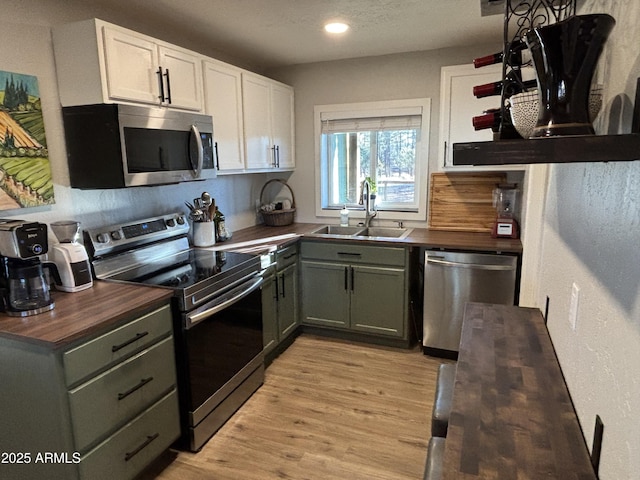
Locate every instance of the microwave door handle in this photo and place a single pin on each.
(197, 169)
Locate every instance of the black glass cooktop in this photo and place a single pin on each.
(186, 268)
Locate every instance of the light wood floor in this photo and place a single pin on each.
(328, 409)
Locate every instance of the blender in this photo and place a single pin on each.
(70, 257)
(504, 201)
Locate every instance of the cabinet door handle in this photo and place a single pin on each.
(278, 156)
(352, 279)
(273, 156)
(282, 279)
(168, 97)
(160, 84)
(142, 383)
(346, 278)
(275, 280)
(150, 438)
(138, 336)
(215, 148)
(444, 160)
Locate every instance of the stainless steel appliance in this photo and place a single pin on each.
(70, 258)
(115, 146)
(217, 307)
(451, 279)
(24, 287)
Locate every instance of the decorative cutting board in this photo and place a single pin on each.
(463, 201)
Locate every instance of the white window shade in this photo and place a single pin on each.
(370, 124)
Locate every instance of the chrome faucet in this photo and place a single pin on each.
(364, 200)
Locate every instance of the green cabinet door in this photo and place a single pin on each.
(378, 300)
(325, 294)
(269, 313)
(287, 300)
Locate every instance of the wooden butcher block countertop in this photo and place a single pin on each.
(511, 415)
(80, 314)
(419, 237)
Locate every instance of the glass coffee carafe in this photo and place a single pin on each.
(28, 288)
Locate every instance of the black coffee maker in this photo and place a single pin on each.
(23, 286)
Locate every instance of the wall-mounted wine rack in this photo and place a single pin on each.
(519, 17)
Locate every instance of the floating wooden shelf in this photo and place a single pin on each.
(596, 148)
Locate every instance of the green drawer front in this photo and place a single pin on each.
(287, 256)
(353, 253)
(115, 345)
(126, 453)
(114, 397)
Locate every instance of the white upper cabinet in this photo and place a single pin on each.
(98, 62)
(458, 106)
(223, 101)
(268, 123)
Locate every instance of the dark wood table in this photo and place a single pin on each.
(512, 416)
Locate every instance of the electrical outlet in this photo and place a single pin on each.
(573, 307)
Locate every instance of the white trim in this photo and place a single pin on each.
(415, 106)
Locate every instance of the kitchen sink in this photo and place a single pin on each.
(386, 232)
(359, 231)
(338, 230)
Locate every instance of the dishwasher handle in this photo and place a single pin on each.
(474, 266)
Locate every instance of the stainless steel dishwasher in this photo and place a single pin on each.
(451, 279)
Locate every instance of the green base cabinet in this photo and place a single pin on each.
(103, 408)
(280, 299)
(355, 287)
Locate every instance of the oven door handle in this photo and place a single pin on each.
(232, 297)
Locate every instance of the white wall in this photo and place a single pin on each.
(591, 237)
(26, 47)
(389, 77)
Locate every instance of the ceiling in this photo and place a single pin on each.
(273, 33)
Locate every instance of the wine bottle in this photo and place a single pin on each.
(502, 128)
(514, 58)
(509, 85)
(489, 119)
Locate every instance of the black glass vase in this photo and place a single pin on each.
(565, 55)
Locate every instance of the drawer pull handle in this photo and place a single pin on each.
(150, 438)
(350, 254)
(142, 383)
(138, 336)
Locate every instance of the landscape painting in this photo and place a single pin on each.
(25, 172)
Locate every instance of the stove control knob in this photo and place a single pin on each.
(180, 220)
(171, 222)
(116, 235)
(102, 237)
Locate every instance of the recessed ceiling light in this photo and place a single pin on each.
(336, 27)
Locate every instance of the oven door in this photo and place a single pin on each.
(223, 347)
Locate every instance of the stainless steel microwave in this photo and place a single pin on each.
(115, 146)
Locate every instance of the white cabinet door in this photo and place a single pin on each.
(282, 126)
(223, 101)
(458, 106)
(268, 123)
(131, 67)
(257, 121)
(182, 72)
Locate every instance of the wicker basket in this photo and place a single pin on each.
(278, 218)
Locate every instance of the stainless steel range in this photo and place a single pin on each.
(217, 309)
